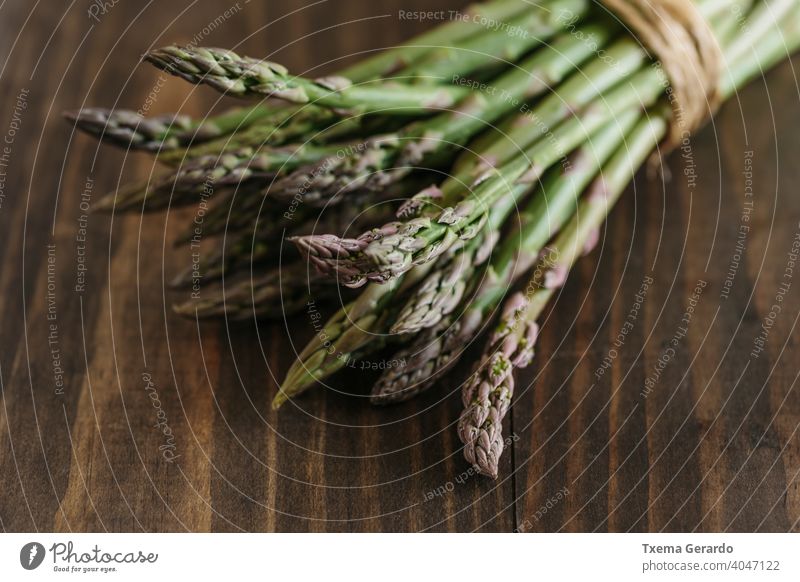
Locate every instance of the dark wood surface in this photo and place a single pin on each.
(712, 447)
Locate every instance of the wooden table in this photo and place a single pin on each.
(94, 367)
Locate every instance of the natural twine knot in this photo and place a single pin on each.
(678, 36)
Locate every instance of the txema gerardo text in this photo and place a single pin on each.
(687, 549)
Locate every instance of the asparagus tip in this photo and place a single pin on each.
(105, 203)
(185, 309)
(279, 399)
(330, 253)
(71, 116)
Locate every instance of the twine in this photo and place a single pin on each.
(679, 38)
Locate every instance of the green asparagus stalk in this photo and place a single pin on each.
(254, 232)
(290, 287)
(443, 290)
(478, 153)
(726, 28)
(129, 129)
(771, 32)
(224, 216)
(487, 394)
(294, 124)
(759, 26)
(239, 76)
(199, 176)
(309, 124)
(228, 257)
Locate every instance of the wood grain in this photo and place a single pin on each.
(714, 446)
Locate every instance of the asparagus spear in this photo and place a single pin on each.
(256, 297)
(759, 26)
(227, 257)
(250, 209)
(433, 352)
(478, 153)
(487, 394)
(129, 129)
(244, 76)
(239, 76)
(443, 290)
(309, 124)
(224, 215)
(293, 124)
(290, 287)
(185, 184)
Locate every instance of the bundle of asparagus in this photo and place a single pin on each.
(539, 115)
